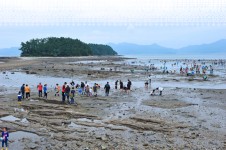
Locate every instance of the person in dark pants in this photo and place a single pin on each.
(63, 92)
(82, 87)
(67, 92)
(22, 90)
(107, 89)
(5, 136)
(160, 89)
(19, 98)
(27, 91)
(146, 84)
(45, 91)
(95, 90)
(129, 86)
(121, 85)
(116, 84)
(39, 87)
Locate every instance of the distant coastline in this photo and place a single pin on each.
(216, 50)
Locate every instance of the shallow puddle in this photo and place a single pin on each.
(10, 118)
(17, 137)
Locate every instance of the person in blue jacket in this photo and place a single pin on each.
(5, 136)
(45, 91)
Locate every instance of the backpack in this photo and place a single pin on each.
(107, 86)
(82, 84)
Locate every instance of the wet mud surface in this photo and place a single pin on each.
(190, 116)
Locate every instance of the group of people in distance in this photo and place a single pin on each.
(25, 92)
(126, 88)
(42, 88)
(67, 91)
(153, 92)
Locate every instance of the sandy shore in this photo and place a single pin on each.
(189, 115)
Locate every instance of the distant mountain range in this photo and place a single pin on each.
(218, 47)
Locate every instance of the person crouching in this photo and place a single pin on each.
(160, 89)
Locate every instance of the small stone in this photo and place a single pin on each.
(103, 147)
(32, 145)
(103, 138)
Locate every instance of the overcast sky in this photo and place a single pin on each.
(171, 23)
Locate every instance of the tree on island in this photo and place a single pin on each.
(99, 49)
(62, 47)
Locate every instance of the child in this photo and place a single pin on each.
(57, 89)
(19, 97)
(5, 136)
(72, 101)
(80, 91)
(73, 91)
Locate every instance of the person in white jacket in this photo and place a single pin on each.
(149, 79)
(160, 89)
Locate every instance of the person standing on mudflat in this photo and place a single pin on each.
(67, 92)
(39, 90)
(19, 97)
(82, 87)
(5, 135)
(116, 84)
(22, 90)
(63, 92)
(129, 86)
(27, 91)
(95, 90)
(121, 85)
(107, 89)
(45, 91)
(57, 90)
(149, 79)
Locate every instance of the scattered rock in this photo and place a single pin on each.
(103, 147)
(32, 146)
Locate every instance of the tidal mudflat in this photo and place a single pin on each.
(189, 115)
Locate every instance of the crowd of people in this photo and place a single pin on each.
(68, 91)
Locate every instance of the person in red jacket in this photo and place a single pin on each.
(39, 87)
(63, 92)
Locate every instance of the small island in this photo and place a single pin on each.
(63, 47)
